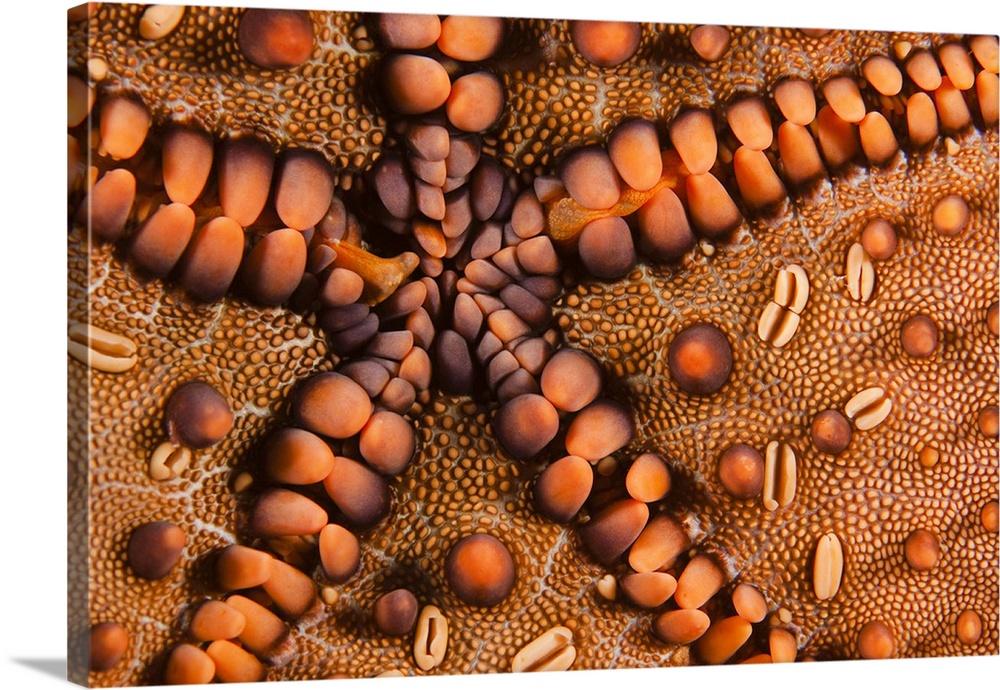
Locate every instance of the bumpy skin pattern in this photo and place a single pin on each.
(871, 496)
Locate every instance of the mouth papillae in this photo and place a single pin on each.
(465, 344)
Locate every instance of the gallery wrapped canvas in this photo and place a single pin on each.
(426, 344)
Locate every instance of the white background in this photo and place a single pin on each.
(32, 386)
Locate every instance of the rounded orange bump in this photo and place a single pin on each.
(79, 100)
(921, 119)
(877, 138)
(571, 380)
(969, 627)
(471, 39)
(648, 478)
(699, 582)
(749, 603)
(160, 242)
(830, 432)
(988, 97)
(665, 233)
(957, 65)
(291, 590)
(609, 533)
(606, 248)
(212, 258)
(339, 552)
(188, 665)
(950, 215)
(986, 52)
(107, 645)
(155, 548)
(409, 31)
(783, 646)
(388, 442)
(333, 405)
(415, 84)
(600, 429)
(296, 456)
(876, 641)
(693, 135)
(953, 112)
(635, 151)
(108, 205)
(563, 487)
(799, 155)
(480, 570)
(124, 125)
(750, 122)
(922, 68)
(361, 494)
(537, 256)
(758, 182)
(605, 43)
(275, 266)
(710, 42)
(648, 590)
(990, 516)
(216, 620)
(659, 543)
(989, 421)
(304, 189)
(241, 567)
(475, 102)
(275, 39)
(838, 138)
(525, 425)
(700, 359)
(713, 212)
(919, 336)
(844, 97)
(796, 101)
(741, 471)
(879, 239)
(284, 513)
(681, 627)
(395, 612)
(723, 639)
(922, 550)
(187, 161)
(883, 74)
(245, 168)
(590, 177)
(527, 218)
(198, 415)
(233, 664)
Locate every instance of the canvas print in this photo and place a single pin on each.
(414, 344)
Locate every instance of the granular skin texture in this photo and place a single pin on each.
(461, 482)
